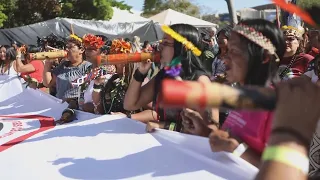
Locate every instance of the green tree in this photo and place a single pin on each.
(32, 11)
(9, 7)
(3, 16)
(15, 13)
(308, 3)
(121, 5)
(91, 9)
(150, 5)
(153, 7)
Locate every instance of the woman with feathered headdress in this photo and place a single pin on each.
(93, 49)
(108, 95)
(295, 62)
(64, 75)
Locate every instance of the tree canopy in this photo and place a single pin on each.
(15, 13)
(308, 3)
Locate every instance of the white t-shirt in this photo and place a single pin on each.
(88, 93)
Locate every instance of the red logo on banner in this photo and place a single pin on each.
(17, 125)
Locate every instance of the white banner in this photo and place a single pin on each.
(101, 147)
(9, 86)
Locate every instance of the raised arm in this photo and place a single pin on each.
(49, 79)
(137, 96)
(27, 68)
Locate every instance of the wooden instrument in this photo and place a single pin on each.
(48, 55)
(113, 59)
(191, 94)
(110, 59)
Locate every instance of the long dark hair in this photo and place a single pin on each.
(259, 72)
(191, 65)
(2, 62)
(224, 31)
(11, 55)
(190, 62)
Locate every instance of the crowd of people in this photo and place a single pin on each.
(252, 53)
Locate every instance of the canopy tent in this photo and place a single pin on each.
(146, 30)
(126, 16)
(170, 16)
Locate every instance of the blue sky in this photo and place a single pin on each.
(208, 5)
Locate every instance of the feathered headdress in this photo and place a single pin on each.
(188, 45)
(92, 41)
(256, 37)
(120, 47)
(75, 37)
(292, 31)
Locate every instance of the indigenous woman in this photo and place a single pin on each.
(108, 94)
(66, 73)
(253, 50)
(92, 45)
(294, 62)
(8, 63)
(8, 73)
(218, 67)
(173, 52)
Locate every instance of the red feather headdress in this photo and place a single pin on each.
(92, 41)
(120, 46)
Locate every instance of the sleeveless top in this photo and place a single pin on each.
(37, 74)
(10, 72)
(171, 115)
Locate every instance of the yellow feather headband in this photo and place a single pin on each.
(181, 39)
(73, 36)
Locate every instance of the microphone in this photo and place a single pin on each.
(190, 94)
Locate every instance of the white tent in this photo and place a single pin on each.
(121, 16)
(170, 16)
